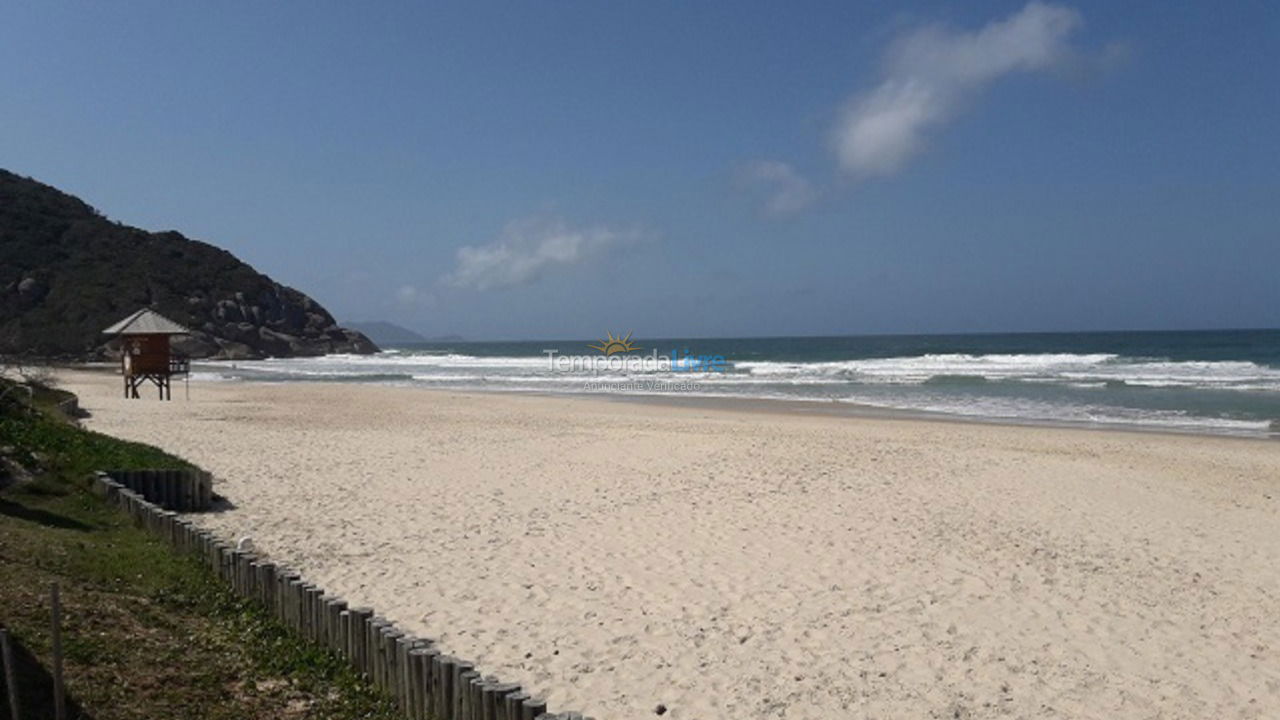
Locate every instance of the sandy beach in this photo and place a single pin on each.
(615, 557)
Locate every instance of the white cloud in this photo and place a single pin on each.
(789, 191)
(414, 297)
(932, 72)
(406, 294)
(527, 249)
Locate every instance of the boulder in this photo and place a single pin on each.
(231, 350)
(196, 345)
(276, 344)
(228, 311)
(32, 290)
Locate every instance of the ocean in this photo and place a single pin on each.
(1220, 382)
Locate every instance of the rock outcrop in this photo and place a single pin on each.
(66, 273)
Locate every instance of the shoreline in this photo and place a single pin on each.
(834, 408)
(819, 407)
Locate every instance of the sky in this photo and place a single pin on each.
(559, 169)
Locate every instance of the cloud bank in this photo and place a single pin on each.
(528, 249)
(931, 73)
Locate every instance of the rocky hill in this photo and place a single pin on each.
(66, 272)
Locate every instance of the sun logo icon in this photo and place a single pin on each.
(613, 345)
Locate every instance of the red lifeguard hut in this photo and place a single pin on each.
(146, 353)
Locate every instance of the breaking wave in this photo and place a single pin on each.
(1231, 396)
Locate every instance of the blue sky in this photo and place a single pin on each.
(556, 169)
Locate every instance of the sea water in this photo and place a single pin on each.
(1225, 382)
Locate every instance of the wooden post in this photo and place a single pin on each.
(213, 556)
(411, 671)
(251, 578)
(344, 636)
(372, 626)
(384, 659)
(164, 486)
(511, 705)
(373, 645)
(296, 587)
(404, 677)
(358, 621)
(533, 708)
(284, 576)
(309, 595)
(289, 606)
(59, 693)
(267, 581)
(10, 675)
(335, 609)
(157, 486)
(180, 534)
(234, 571)
(311, 603)
(442, 674)
(327, 616)
(315, 598)
(319, 617)
(426, 677)
(496, 703)
(206, 490)
(391, 661)
(469, 693)
(489, 700)
(194, 480)
(478, 685)
(420, 682)
(304, 624)
(463, 671)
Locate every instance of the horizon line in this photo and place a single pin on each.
(820, 336)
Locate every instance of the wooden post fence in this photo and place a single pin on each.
(178, 490)
(425, 683)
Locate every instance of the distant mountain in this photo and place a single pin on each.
(66, 272)
(385, 333)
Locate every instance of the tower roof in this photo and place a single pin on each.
(146, 322)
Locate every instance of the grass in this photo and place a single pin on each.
(147, 633)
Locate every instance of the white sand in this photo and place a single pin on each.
(615, 556)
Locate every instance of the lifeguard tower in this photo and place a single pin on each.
(146, 354)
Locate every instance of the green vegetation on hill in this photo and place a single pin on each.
(66, 272)
(146, 633)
